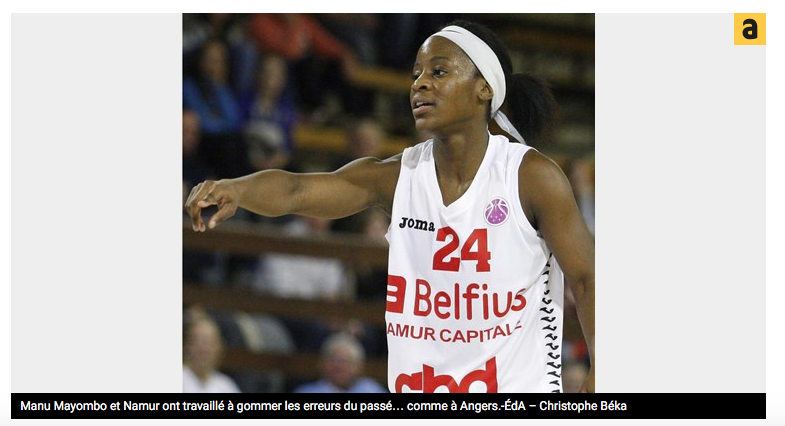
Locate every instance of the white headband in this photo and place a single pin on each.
(490, 68)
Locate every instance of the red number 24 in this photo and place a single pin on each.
(482, 256)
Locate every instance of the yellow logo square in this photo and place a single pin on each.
(749, 29)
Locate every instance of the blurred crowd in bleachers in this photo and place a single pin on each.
(249, 81)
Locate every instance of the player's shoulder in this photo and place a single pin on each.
(538, 167)
(540, 178)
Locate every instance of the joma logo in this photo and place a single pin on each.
(422, 225)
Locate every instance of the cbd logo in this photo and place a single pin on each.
(749, 28)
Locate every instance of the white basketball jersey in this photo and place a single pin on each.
(474, 297)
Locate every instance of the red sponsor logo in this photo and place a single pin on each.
(396, 292)
(427, 381)
(461, 302)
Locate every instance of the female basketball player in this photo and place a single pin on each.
(480, 226)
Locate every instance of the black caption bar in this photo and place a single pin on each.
(351, 406)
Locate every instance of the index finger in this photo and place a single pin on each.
(192, 205)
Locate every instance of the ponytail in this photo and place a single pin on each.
(529, 102)
(531, 107)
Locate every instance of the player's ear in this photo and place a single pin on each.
(485, 92)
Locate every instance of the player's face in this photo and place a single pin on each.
(445, 92)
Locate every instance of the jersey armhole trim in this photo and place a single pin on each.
(513, 173)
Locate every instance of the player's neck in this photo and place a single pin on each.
(459, 155)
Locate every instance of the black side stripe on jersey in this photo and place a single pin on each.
(547, 322)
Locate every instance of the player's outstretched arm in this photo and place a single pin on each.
(547, 199)
(346, 191)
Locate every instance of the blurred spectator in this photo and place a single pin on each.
(199, 28)
(271, 117)
(402, 34)
(195, 170)
(365, 139)
(342, 363)
(202, 351)
(358, 30)
(297, 36)
(209, 95)
(322, 65)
